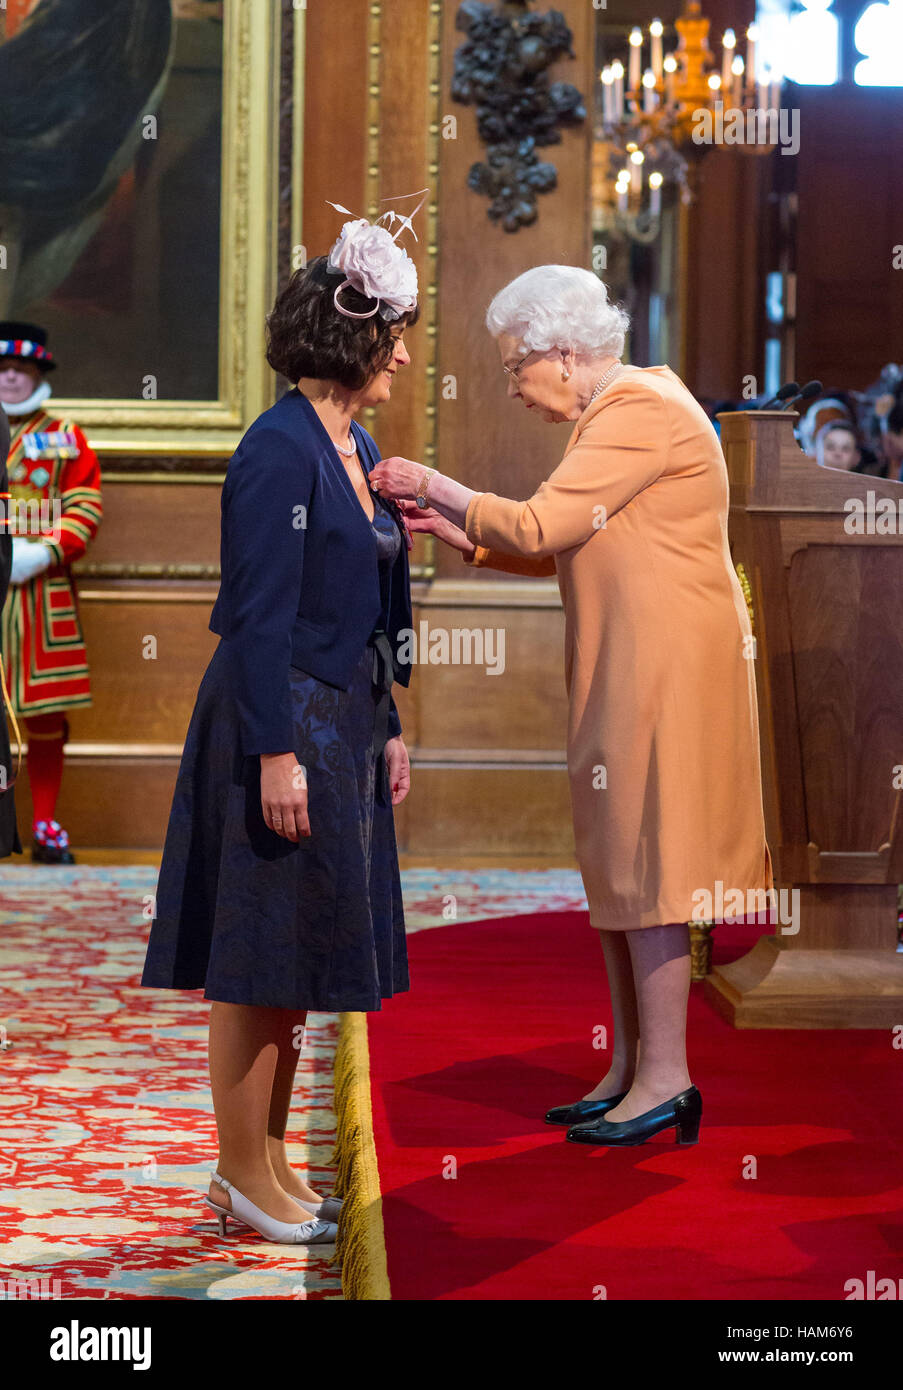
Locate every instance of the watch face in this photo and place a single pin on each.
(421, 502)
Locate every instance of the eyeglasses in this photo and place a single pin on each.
(513, 371)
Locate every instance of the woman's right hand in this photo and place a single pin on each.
(429, 520)
(283, 795)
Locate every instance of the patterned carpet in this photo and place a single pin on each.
(108, 1129)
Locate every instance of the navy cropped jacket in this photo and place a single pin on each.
(299, 573)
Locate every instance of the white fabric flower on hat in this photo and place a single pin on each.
(376, 266)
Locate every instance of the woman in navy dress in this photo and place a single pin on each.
(279, 889)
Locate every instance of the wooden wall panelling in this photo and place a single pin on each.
(487, 810)
(465, 707)
(335, 119)
(486, 440)
(109, 799)
(150, 574)
(123, 754)
(381, 148)
(155, 527)
(149, 644)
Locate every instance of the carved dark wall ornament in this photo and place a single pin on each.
(502, 70)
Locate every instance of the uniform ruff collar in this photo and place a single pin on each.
(37, 398)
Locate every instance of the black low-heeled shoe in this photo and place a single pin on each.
(683, 1112)
(582, 1111)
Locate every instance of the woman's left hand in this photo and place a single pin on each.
(399, 766)
(397, 477)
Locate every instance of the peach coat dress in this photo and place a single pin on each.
(663, 734)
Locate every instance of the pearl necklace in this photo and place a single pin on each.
(349, 453)
(603, 381)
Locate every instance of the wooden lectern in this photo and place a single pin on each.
(823, 553)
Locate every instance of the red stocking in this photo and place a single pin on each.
(46, 735)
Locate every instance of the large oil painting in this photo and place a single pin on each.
(110, 189)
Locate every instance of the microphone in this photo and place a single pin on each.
(790, 389)
(808, 393)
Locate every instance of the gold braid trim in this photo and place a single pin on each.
(361, 1242)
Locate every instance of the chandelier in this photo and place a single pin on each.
(659, 120)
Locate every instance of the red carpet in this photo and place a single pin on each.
(498, 1026)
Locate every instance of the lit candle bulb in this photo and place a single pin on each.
(621, 187)
(607, 95)
(715, 82)
(636, 170)
(636, 43)
(656, 29)
(763, 88)
(670, 67)
(617, 97)
(730, 43)
(752, 35)
(737, 67)
(649, 98)
(655, 193)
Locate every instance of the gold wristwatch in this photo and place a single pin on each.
(420, 499)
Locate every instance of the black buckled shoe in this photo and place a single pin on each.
(683, 1112)
(582, 1110)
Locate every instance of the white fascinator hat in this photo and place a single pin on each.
(374, 264)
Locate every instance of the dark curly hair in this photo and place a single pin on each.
(308, 337)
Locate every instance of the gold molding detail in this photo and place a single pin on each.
(429, 299)
(374, 87)
(110, 475)
(747, 594)
(431, 445)
(121, 753)
(371, 183)
(204, 591)
(111, 569)
(490, 759)
(490, 593)
(432, 289)
(299, 60)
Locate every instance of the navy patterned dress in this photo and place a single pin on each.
(252, 918)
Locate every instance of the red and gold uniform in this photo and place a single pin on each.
(53, 512)
(54, 499)
(43, 644)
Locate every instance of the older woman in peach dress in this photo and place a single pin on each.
(663, 740)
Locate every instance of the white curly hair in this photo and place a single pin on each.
(559, 306)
